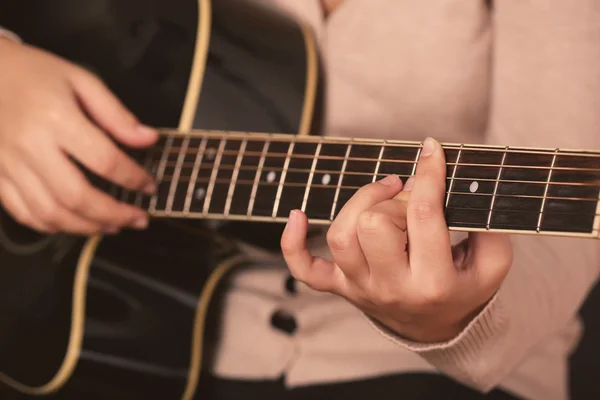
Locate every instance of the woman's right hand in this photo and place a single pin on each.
(51, 111)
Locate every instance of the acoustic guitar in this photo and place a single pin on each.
(235, 88)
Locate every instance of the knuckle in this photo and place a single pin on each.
(387, 298)
(47, 213)
(84, 75)
(74, 197)
(287, 247)
(371, 220)
(298, 274)
(423, 211)
(338, 240)
(23, 218)
(434, 293)
(107, 162)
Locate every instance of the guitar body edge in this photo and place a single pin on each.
(76, 331)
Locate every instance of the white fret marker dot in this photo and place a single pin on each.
(200, 193)
(271, 176)
(210, 153)
(326, 179)
(474, 186)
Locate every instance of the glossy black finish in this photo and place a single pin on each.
(144, 287)
(256, 79)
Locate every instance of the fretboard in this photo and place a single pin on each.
(260, 177)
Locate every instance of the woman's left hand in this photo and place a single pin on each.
(393, 259)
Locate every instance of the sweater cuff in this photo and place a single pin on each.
(464, 356)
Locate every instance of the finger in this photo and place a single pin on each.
(14, 203)
(94, 150)
(75, 193)
(342, 235)
(382, 236)
(46, 208)
(317, 273)
(491, 256)
(429, 239)
(108, 112)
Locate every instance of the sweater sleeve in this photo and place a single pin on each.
(546, 93)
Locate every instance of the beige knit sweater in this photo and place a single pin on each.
(523, 73)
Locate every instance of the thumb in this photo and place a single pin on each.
(490, 255)
(109, 113)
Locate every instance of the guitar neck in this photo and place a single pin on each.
(262, 177)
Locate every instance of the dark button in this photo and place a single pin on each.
(284, 321)
(290, 285)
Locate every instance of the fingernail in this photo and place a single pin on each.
(409, 184)
(147, 131)
(140, 223)
(150, 188)
(292, 220)
(428, 147)
(390, 180)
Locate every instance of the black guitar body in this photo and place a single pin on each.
(125, 316)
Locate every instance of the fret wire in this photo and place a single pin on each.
(489, 219)
(416, 161)
(453, 175)
(236, 171)
(176, 175)
(213, 177)
(539, 223)
(311, 175)
(161, 171)
(261, 164)
(596, 225)
(139, 197)
(194, 176)
(379, 161)
(282, 179)
(339, 184)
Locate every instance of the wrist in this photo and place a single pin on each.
(435, 331)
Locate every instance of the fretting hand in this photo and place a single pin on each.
(51, 109)
(426, 290)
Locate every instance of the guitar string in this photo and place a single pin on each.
(394, 161)
(392, 143)
(334, 187)
(521, 212)
(253, 168)
(496, 211)
(412, 163)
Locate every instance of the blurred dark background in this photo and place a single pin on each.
(585, 362)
